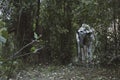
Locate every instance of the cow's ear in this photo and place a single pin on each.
(77, 32)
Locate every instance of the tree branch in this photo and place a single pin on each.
(115, 57)
(18, 52)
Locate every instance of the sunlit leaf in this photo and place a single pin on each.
(2, 39)
(35, 36)
(32, 49)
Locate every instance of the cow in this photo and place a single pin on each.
(85, 38)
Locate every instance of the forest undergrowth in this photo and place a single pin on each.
(68, 72)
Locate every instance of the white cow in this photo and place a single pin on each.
(85, 37)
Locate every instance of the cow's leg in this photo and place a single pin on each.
(78, 47)
(79, 52)
(84, 48)
(83, 54)
(90, 55)
(87, 55)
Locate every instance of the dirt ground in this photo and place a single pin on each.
(68, 72)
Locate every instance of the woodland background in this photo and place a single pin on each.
(43, 32)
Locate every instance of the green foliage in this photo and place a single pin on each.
(58, 22)
(3, 32)
(2, 39)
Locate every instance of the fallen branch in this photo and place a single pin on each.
(36, 51)
(23, 48)
(115, 57)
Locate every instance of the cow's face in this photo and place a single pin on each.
(85, 32)
(82, 31)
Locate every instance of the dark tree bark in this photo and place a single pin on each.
(24, 32)
(115, 27)
(38, 28)
(66, 38)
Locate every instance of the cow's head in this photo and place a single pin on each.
(85, 31)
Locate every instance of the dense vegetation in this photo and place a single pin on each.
(43, 31)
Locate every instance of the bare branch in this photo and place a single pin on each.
(115, 57)
(18, 52)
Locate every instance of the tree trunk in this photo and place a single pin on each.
(38, 28)
(115, 27)
(24, 32)
(66, 38)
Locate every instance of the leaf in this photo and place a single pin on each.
(4, 34)
(32, 49)
(35, 36)
(2, 39)
(2, 23)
